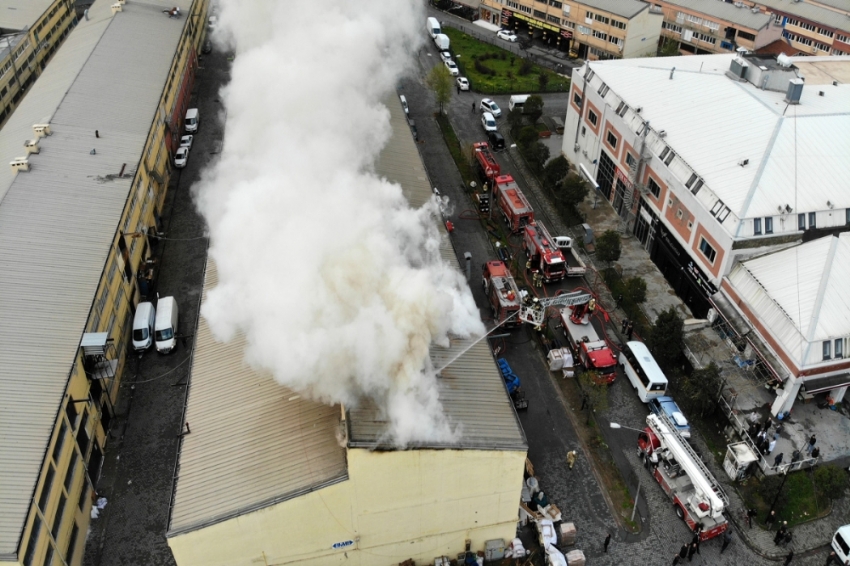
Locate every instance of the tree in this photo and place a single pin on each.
(574, 189)
(527, 137)
(665, 338)
(701, 390)
(594, 391)
(543, 80)
(440, 81)
(669, 48)
(533, 108)
(515, 119)
(634, 290)
(537, 154)
(831, 481)
(608, 247)
(555, 171)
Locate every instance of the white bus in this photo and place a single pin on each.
(841, 543)
(643, 371)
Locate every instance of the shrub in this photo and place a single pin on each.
(608, 247)
(634, 290)
(831, 481)
(525, 67)
(665, 339)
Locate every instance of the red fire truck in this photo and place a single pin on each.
(486, 162)
(589, 350)
(502, 292)
(544, 256)
(514, 206)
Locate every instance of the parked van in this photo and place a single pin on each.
(166, 325)
(643, 371)
(442, 42)
(841, 543)
(192, 120)
(403, 100)
(517, 101)
(143, 325)
(433, 27)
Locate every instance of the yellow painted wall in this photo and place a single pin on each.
(395, 505)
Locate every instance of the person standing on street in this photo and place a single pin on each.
(778, 459)
(473, 108)
(727, 538)
(607, 542)
(831, 559)
(780, 532)
(815, 452)
(789, 558)
(683, 551)
(696, 540)
(676, 560)
(458, 89)
(750, 514)
(624, 325)
(691, 551)
(629, 328)
(811, 445)
(770, 519)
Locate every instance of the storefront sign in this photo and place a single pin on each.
(697, 276)
(622, 178)
(536, 23)
(506, 17)
(566, 34)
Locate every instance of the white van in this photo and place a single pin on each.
(166, 325)
(143, 324)
(517, 101)
(403, 100)
(192, 120)
(433, 27)
(643, 371)
(841, 543)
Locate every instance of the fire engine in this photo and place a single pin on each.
(544, 257)
(697, 496)
(486, 162)
(513, 204)
(589, 350)
(502, 292)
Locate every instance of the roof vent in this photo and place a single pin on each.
(32, 146)
(20, 164)
(41, 130)
(117, 7)
(662, 134)
(737, 69)
(755, 10)
(795, 90)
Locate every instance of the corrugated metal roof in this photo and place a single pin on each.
(713, 123)
(841, 5)
(58, 221)
(728, 12)
(817, 14)
(472, 390)
(624, 8)
(20, 14)
(800, 293)
(253, 441)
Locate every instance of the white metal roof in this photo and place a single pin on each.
(809, 11)
(797, 154)
(728, 12)
(20, 14)
(58, 221)
(800, 293)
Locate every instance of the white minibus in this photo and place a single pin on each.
(643, 371)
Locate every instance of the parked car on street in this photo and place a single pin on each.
(463, 83)
(488, 105)
(488, 122)
(507, 35)
(181, 157)
(453, 70)
(186, 141)
(445, 56)
(668, 406)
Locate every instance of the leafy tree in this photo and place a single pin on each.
(543, 80)
(574, 189)
(831, 481)
(701, 389)
(515, 119)
(669, 48)
(537, 154)
(634, 290)
(555, 171)
(527, 137)
(440, 81)
(533, 108)
(608, 247)
(665, 338)
(594, 392)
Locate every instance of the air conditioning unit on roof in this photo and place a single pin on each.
(32, 146)
(41, 130)
(117, 7)
(20, 164)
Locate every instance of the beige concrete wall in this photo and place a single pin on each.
(642, 35)
(395, 505)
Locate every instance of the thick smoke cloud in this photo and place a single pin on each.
(335, 281)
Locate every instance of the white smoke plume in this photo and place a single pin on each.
(334, 279)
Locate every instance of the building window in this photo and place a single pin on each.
(584, 30)
(669, 202)
(616, 24)
(690, 225)
(566, 9)
(603, 36)
(631, 161)
(839, 348)
(707, 250)
(843, 38)
(601, 19)
(757, 226)
(768, 225)
(577, 99)
(72, 543)
(539, 14)
(826, 349)
(679, 214)
(60, 511)
(32, 545)
(747, 36)
(592, 117)
(654, 188)
(612, 139)
(603, 88)
(801, 222)
(812, 220)
(60, 441)
(621, 109)
(45, 490)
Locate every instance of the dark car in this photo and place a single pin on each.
(207, 47)
(496, 141)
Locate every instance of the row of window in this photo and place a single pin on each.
(842, 38)
(833, 349)
(806, 41)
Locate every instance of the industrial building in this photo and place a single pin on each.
(267, 476)
(816, 28)
(89, 165)
(30, 33)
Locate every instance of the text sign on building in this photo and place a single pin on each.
(506, 16)
(343, 544)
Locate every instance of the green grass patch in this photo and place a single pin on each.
(456, 150)
(493, 70)
(798, 502)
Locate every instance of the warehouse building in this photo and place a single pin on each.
(266, 476)
(90, 166)
(30, 33)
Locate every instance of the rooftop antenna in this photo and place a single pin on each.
(671, 73)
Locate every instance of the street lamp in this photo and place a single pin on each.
(617, 425)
